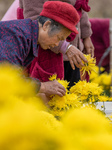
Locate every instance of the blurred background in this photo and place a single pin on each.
(4, 5)
(99, 8)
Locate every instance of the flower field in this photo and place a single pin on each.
(71, 122)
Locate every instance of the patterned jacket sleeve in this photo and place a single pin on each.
(85, 26)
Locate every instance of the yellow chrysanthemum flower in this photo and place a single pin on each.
(109, 98)
(94, 74)
(87, 124)
(106, 79)
(88, 66)
(59, 102)
(103, 79)
(25, 125)
(11, 79)
(53, 77)
(103, 98)
(22, 129)
(86, 91)
(22, 121)
(98, 141)
(63, 82)
(73, 100)
(59, 105)
(86, 119)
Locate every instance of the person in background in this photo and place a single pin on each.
(75, 44)
(19, 39)
(11, 13)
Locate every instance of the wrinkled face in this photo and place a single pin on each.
(47, 40)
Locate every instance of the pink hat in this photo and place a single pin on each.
(61, 12)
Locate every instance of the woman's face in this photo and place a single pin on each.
(46, 41)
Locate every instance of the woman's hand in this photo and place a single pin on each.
(52, 88)
(75, 57)
(88, 46)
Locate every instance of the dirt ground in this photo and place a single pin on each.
(99, 9)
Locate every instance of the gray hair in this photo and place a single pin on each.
(54, 26)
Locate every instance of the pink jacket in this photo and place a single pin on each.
(11, 13)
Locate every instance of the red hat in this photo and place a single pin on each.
(61, 12)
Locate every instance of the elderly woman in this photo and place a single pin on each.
(71, 50)
(73, 47)
(19, 39)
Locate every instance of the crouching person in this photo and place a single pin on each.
(19, 39)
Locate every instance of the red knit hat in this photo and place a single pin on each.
(61, 12)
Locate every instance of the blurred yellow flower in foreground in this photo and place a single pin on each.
(94, 74)
(88, 129)
(79, 120)
(12, 82)
(25, 123)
